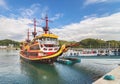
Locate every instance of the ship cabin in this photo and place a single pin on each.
(48, 42)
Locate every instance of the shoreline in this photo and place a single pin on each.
(115, 73)
(97, 68)
(9, 48)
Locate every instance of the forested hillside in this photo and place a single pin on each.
(7, 42)
(85, 43)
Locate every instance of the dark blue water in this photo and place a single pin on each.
(13, 70)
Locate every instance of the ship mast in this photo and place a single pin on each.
(46, 28)
(34, 33)
(28, 38)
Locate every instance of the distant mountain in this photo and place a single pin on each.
(7, 42)
(99, 43)
(66, 42)
(85, 43)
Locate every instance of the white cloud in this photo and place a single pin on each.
(44, 11)
(29, 12)
(88, 2)
(13, 28)
(34, 10)
(107, 28)
(3, 4)
(57, 16)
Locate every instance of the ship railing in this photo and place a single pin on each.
(50, 49)
(49, 42)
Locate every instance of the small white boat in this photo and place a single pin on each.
(80, 53)
(89, 52)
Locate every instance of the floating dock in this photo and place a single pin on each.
(114, 73)
(68, 60)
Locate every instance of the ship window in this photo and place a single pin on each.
(48, 39)
(44, 49)
(49, 45)
(41, 39)
(50, 49)
(33, 54)
(45, 39)
(55, 48)
(35, 47)
(41, 45)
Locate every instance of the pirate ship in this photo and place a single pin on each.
(44, 48)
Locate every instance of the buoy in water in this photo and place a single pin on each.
(109, 77)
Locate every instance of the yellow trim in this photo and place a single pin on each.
(27, 47)
(47, 35)
(47, 57)
(34, 44)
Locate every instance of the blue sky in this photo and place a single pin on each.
(71, 19)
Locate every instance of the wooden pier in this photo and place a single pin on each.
(115, 72)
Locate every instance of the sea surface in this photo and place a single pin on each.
(13, 70)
